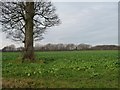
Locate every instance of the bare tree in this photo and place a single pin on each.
(60, 46)
(9, 48)
(27, 22)
(71, 47)
(83, 46)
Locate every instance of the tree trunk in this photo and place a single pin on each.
(28, 45)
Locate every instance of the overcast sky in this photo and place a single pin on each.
(89, 22)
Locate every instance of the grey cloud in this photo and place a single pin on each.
(93, 23)
(86, 20)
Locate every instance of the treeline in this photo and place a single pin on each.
(62, 47)
(72, 47)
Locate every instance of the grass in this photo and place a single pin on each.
(62, 69)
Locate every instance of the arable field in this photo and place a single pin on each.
(61, 69)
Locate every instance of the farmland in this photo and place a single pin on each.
(62, 69)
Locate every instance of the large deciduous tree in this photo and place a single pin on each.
(27, 21)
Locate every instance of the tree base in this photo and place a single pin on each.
(28, 57)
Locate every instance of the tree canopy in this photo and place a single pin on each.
(13, 19)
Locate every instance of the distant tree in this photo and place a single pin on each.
(4, 49)
(59, 46)
(105, 47)
(37, 46)
(12, 47)
(83, 46)
(20, 48)
(71, 47)
(47, 47)
(9, 48)
(27, 21)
